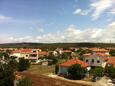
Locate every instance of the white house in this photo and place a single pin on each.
(63, 68)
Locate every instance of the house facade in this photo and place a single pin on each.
(97, 59)
(63, 68)
(31, 54)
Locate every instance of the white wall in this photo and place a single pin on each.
(63, 70)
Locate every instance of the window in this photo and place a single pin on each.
(34, 51)
(92, 60)
(33, 55)
(86, 60)
(98, 61)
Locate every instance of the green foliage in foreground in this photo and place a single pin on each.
(25, 82)
(77, 72)
(6, 75)
(97, 72)
(8, 66)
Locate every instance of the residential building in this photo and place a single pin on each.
(111, 61)
(63, 68)
(97, 59)
(31, 54)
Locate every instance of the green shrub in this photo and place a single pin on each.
(23, 64)
(97, 72)
(111, 71)
(112, 52)
(76, 71)
(6, 75)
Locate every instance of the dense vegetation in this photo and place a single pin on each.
(97, 72)
(55, 45)
(23, 64)
(76, 71)
(112, 52)
(8, 66)
(7, 70)
(111, 72)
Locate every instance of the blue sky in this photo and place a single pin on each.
(59, 20)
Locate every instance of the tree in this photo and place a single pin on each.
(76, 71)
(111, 71)
(112, 52)
(97, 72)
(7, 69)
(51, 59)
(4, 56)
(13, 64)
(80, 52)
(56, 69)
(25, 82)
(23, 64)
(6, 75)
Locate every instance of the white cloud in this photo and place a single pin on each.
(71, 34)
(5, 38)
(112, 24)
(40, 30)
(112, 11)
(100, 6)
(2, 17)
(81, 12)
(97, 8)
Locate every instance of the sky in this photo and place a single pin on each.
(57, 21)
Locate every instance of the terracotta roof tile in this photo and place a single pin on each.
(23, 51)
(43, 53)
(111, 60)
(74, 61)
(100, 55)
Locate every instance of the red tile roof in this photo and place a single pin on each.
(74, 61)
(43, 53)
(26, 51)
(99, 50)
(111, 60)
(23, 51)
(100, 55)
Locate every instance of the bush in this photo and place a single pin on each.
(112, 52)
(6, 75)
(13, 64)
(7, 69)
(23, 64)
(51, 59)
(25, 82)
(77, 72)
(111, 71)
(97, 72)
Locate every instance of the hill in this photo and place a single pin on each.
(54, 45)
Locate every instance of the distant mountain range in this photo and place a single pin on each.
(54, 45)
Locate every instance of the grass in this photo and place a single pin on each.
(40, 69)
